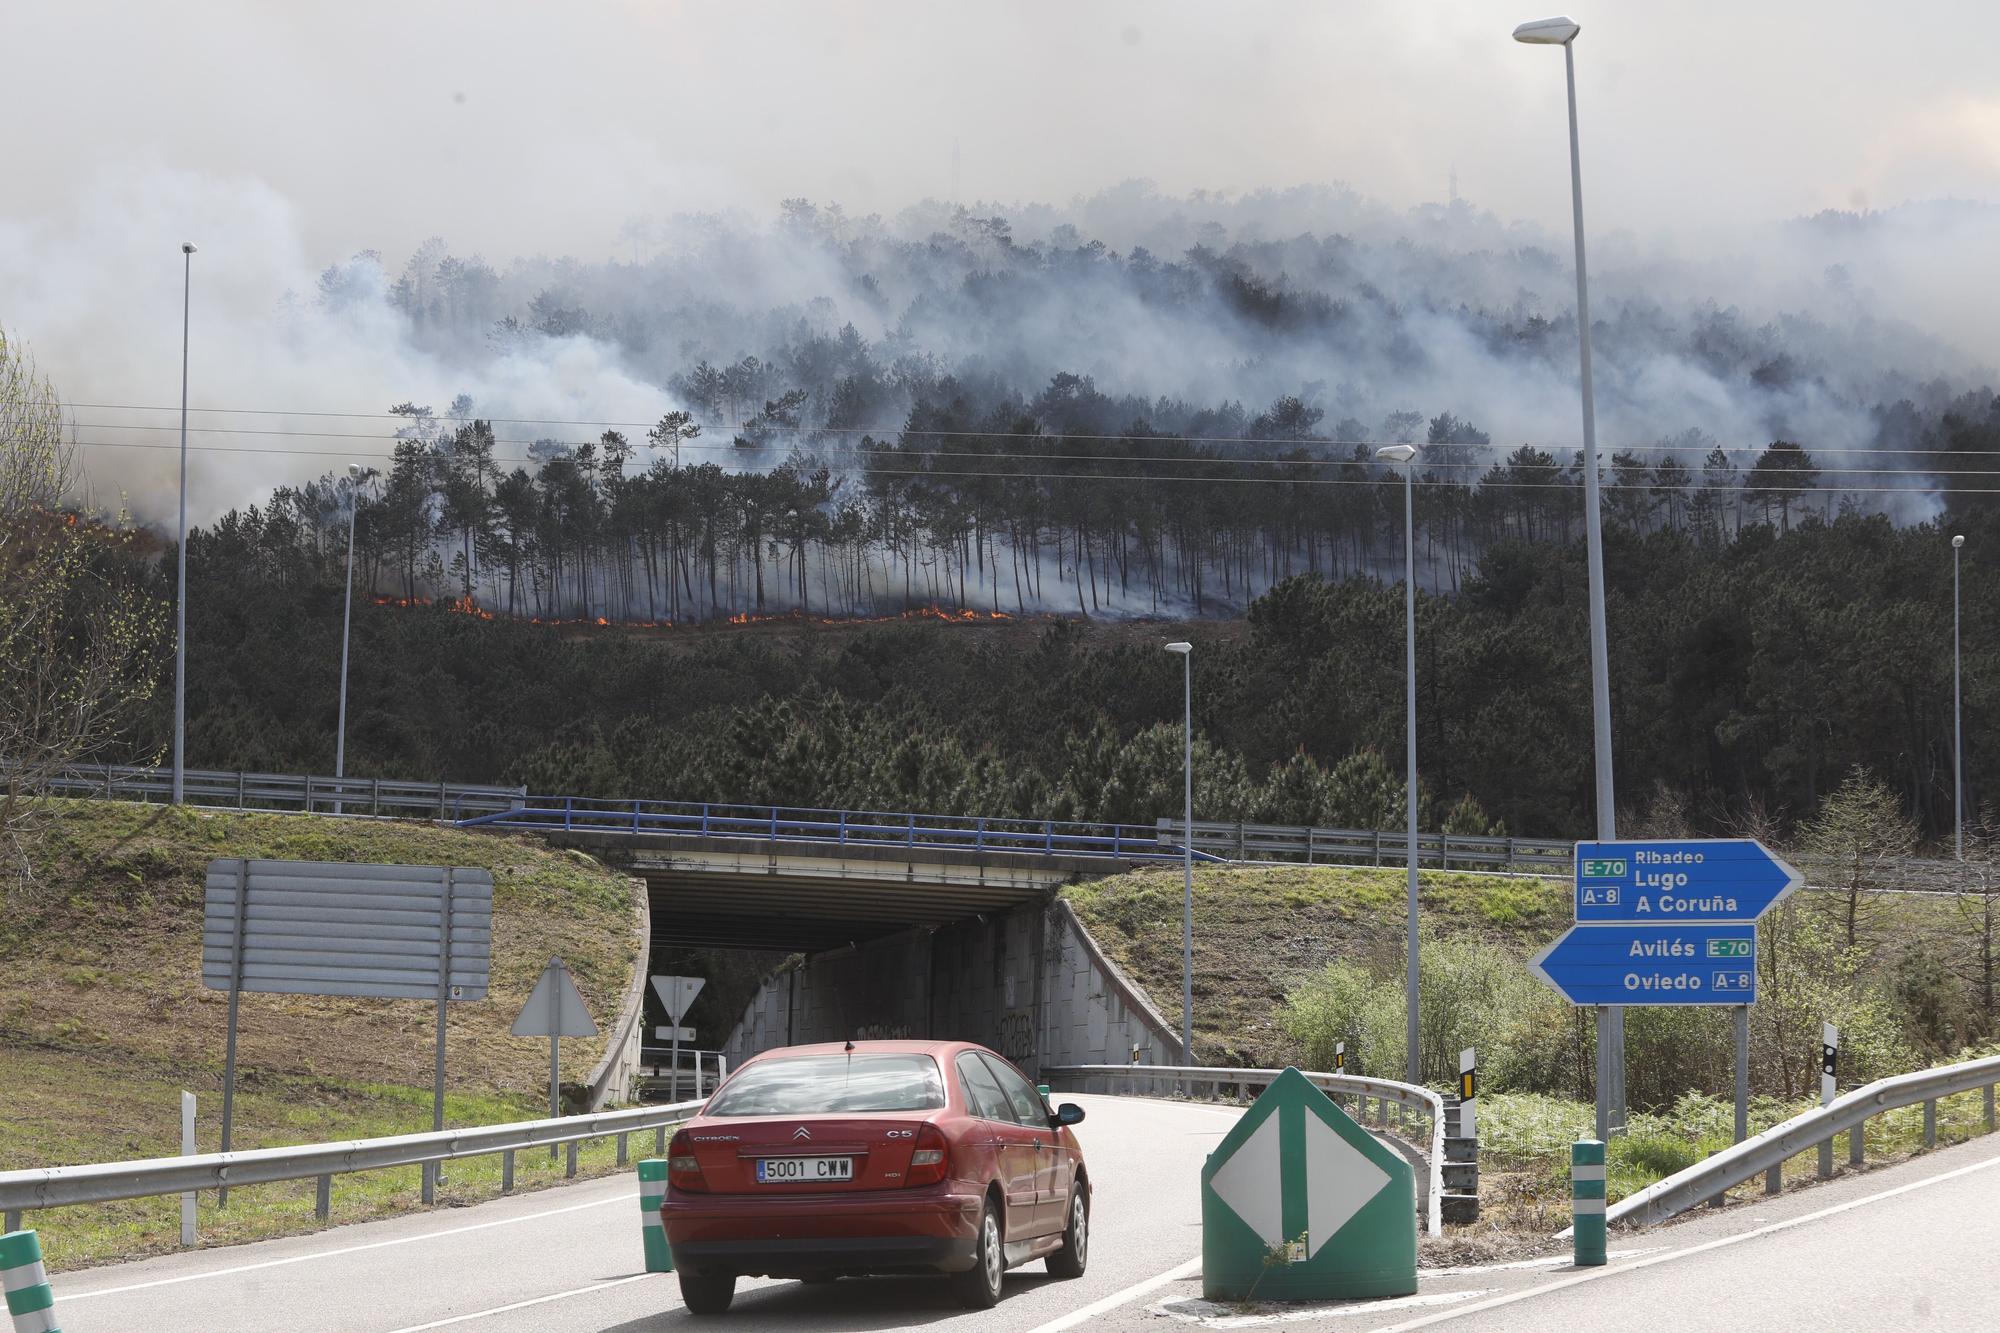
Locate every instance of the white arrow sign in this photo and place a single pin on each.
(1340, 1180)
(676, 994)
(1252, 1185)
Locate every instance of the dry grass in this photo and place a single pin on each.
(103, 1017)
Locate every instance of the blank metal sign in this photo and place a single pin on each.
(330, 928)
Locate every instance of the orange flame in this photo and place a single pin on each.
(468, 606)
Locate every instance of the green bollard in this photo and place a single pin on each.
(1586, 1184)
(30, 1299)
(652, 1193)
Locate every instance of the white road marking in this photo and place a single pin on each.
(1118, 1298)
(1546, 1261)
(1718, 1244)
(522, 1305)
(69, 1298)
(1214, 1314)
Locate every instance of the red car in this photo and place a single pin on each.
(817, 1162)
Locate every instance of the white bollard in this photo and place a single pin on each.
(187, 1150)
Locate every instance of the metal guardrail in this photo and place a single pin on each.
(1346, 846)
(305, 792)
(1409, 1096)
(58, 1186)
(1762, 1153)
(840, 828)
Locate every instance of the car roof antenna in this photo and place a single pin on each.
(850, 1043)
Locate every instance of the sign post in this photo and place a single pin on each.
(1663, 923)
(676, 995)
(1300, 1203)
(555, 1009)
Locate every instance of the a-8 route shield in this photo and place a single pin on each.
(1301, 1203)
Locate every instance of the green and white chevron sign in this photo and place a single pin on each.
(1301, 1203)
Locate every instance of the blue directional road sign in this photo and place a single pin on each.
(1691, 880)
(1628, 964)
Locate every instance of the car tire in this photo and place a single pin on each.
(1069, 1261)
(978, 1287)
(707, 1293)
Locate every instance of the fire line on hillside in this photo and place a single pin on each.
(467, 606)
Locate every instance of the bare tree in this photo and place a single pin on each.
(78, 629)
(1857, 844)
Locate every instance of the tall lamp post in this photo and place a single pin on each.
(1610, 1019)
(357, 475)
(1186, 651)
(1957, 716)
(1403, 455)
(181, 597)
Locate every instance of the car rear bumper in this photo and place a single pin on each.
(885, 1231)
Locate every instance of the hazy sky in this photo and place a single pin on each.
(512, 127)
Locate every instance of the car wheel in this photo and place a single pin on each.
(1075, 1253)
(707, 1293)
(978, 1287)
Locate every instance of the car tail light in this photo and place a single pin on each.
(930, 1161)
(683, 1171)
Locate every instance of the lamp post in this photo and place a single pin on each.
(181, 596)
(1404, 455)
(1610, 1019)
(1957, 716)
(1186, 651)
(356, 476)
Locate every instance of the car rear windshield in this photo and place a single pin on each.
(830, 1084)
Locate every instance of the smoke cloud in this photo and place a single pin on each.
(1175, 307)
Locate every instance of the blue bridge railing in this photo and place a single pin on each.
(836, 828)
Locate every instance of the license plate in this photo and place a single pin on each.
(791, 1170)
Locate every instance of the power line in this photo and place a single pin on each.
(868, 457)
(903, 429)
(1558, 484)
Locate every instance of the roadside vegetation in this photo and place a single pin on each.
(1291, 960)
(104, 1019)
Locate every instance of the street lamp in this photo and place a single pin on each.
(356, 476)
(181, 598)
(1957, 716)
(1186, 651)
(1403, 455)
(1610, 1019)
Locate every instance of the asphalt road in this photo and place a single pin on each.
(570, 1259)
(1908, 1246)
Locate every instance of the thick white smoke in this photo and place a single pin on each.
(1796, 331)
(96, 291)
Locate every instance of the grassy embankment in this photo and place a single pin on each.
(1262, 932)
(104, 1020)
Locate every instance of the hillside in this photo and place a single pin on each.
(103, 1017)
(1259, 931)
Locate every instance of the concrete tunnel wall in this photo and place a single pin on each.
(1030, 983)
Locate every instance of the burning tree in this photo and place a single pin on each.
(78, 629)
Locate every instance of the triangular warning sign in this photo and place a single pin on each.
(676, 994)
(556, 1008)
